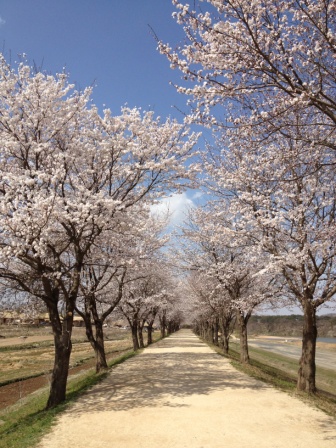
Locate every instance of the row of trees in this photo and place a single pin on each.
(76, 185)
(227, 279)
(262, 76)
(75, 193)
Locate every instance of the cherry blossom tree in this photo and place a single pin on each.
(263, 75)
(100, 291)
(260, 61)
(66, 174)
(284, 203)
(235, 279)
(206, 310)
(149, 293)
(113, 260)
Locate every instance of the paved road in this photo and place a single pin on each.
(324, 358)
(179, 393)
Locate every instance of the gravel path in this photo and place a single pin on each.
(179, 393)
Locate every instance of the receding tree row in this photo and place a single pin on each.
(76, 231)
(77, 187)
(262, 76)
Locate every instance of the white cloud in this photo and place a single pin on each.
(2, 21)
(176, 205)
(197, 195)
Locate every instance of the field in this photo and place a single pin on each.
(26, 358)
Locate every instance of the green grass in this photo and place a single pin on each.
(24, 425)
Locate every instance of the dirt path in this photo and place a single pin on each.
(179, 393)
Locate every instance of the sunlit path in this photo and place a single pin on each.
(179, 393)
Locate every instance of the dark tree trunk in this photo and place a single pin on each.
(96, 340)
(150, 335)
(134, 329)
(171, 327)
(99, 348)
(205, 331)
(307, 370)
(242, 322)
(224, 327)
(211, 333)
(215, 329)
(227, 324)
(140, 335)
(63, 346)
(163, 326)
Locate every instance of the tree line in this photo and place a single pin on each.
(76, 186)
(261, 76)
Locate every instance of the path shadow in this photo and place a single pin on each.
(156, 378)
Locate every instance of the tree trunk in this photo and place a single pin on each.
(134, 329)
(203, 330)
(62, 340)
(242, 321)
(97, 340)
(99, 348)
(140, 335)
(225, 335)
(163, 326)
(307, 370)
(211, 333)
(215, 329)
(150, 333)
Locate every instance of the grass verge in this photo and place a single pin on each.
(23, 426)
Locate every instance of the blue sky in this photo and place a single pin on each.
(106, 43)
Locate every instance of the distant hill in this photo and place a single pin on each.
(290, 325)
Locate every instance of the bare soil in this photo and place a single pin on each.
(36, 357)
(179, 393)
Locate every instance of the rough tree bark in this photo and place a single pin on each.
(134, 330)
(307, 369)
(163, 325)
(215, 331)
(149, 334)
(150, 331)
(140, 334)
(242, 322)
(225, 328)
(62, 339)
(96, 338)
